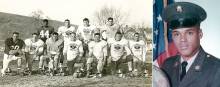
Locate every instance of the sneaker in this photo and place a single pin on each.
(19, 72)
(2, 73)
(98, 75)
(88, 74)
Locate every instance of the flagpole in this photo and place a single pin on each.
(165, 32)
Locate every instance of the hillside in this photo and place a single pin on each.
(23, 24)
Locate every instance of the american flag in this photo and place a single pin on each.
(163, 46)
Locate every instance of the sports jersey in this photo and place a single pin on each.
(64, 30)
(138, 49)
(117, 48)
(11, 45)
(45, 32)
(110, 31)
(73, 49)
(54, 46)
(32, 46)
(98, 49)
(86, 32)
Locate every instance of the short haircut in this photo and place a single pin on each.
(54, 33)
(85, 19)
(15, 32)
(45, 20)
(118, 32)
(97, 34)
(73, 33)
(110, 18)
(34, 34)
(136, 33)
(67, 20)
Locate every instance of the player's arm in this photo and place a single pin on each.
(144, 51)
(90, 45)
(105, 49)
(7, 47)
(128, 51)
(81, 50)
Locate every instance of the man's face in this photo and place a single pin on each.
(15, 36)
(73, 36)
(45, 23)
(110, 22)
(67, 23)
(55, 37)
(136, 37)
(187, 40)
(86, 23)
(118, 37)
(96, 38)
(34, 36)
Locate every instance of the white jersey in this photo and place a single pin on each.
(118, 48)
(73, 49)
(98, 49)
(138, 49)
(63, 30)
(110, 31)
(86, 32)
(32, 46)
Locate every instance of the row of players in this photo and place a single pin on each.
(85, 45)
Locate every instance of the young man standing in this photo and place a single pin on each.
(64, 32)
(85, 34)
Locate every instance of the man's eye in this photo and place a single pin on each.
(190, 33)
(176, 34)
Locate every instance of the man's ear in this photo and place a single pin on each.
(200, 33)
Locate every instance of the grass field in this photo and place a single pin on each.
(37, 80)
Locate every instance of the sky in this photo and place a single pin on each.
(211, 26)
(139, 11)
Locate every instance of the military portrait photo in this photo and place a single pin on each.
(184, 35)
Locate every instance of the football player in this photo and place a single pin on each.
(138, 51)
(13, 51)
(44, 33)
(97, 53)
(119, 53)
(54, 46)
(33, 50)
(85, 34)
(73, 52)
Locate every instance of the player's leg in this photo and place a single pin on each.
(89, 66)
(100, 65)
(56, 61)
(70, 67)
(6, 61)
(29, 61)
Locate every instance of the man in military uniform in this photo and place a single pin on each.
(192, 67)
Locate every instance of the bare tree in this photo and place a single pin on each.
(105, 12)
(37, 16)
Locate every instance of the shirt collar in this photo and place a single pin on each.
(190, 61)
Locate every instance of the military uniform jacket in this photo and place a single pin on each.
(204, 72)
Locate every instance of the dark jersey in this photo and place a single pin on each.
(45, 32)
(11, 45)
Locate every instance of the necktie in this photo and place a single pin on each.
(183, 73)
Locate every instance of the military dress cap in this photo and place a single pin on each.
(183, 14)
